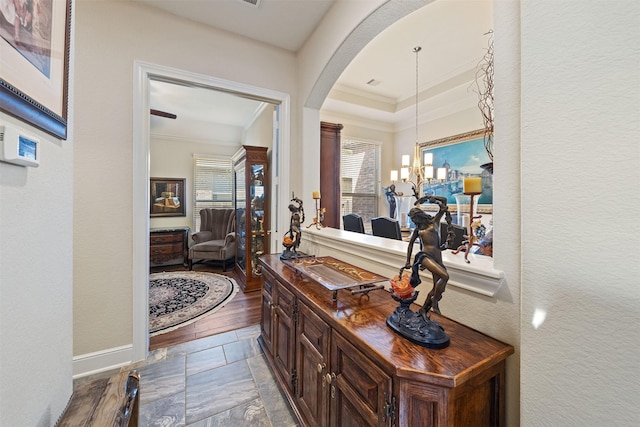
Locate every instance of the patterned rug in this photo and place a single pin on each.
(179, 298)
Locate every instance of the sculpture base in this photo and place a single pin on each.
(289, 254)
(414, 327)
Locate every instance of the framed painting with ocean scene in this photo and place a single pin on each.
(462, 156)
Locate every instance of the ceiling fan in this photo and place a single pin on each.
(162, 114)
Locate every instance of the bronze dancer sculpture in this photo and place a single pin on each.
(430, 255)
(291, 240)
(419, 327)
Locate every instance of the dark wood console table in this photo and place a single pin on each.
(166, 244)
(338, 362)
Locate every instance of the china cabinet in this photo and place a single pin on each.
(251, 198)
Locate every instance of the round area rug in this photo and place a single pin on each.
(179, 298)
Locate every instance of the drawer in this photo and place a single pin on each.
(167, 249)
(156, 239)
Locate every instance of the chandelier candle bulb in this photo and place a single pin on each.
(442, 174)
(472, 185)
(394, 175)
(316, 195)
(428, 159)
(404, 174)
(428, 172)
(406, 160)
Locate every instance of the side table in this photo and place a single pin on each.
(166, 244)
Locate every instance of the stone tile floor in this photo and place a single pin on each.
(222, 380)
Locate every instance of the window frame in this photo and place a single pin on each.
(216, 163)
(375, 195)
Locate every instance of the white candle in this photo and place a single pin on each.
(442, 174)
(428, 172)
(405, 160)
(428, 159)
(404, 173)
(394, 175)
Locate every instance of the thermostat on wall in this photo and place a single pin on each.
(19, 147)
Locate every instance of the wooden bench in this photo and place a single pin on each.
(108, 402)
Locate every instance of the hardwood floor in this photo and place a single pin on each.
(243, 310)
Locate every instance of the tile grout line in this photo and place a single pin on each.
(184, 390)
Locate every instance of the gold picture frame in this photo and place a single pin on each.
(462, 155)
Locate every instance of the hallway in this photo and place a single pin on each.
(220, 380)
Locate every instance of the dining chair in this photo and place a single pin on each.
(383, 226)
(353, 222)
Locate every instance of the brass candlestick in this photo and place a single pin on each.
(317, 221)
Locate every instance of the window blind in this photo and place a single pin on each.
(359, 172)
(213, 185)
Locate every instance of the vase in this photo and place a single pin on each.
(488, 167)
(462, 209)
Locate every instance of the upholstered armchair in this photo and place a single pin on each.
(216, 239)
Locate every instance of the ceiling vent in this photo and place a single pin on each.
(253, 3)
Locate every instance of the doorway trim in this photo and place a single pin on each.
(143, 72)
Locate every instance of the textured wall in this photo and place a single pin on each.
(36, 216)
(580, 155)
(36, 280)
(36, 213)
(103, 153)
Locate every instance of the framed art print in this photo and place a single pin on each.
(462, 156)
(167, 197)
(34, 62)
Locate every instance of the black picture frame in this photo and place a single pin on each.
(167, 197)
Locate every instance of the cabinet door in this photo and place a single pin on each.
(284, 333)
(359, 388)
(312, 352)
(241, 218)
(257, 193)
(252, 219)
(266, 324)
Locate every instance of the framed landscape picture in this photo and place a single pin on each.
(34, 62)
(462, 156)
(167, 197)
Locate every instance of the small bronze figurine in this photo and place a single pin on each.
(291, 240)
(391, 194)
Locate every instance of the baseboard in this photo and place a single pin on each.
(101, 361)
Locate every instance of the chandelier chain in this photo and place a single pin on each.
(417, 49)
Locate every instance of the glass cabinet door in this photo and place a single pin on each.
(257, 216)
(252, 214)
(241, 235)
